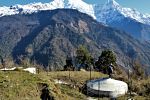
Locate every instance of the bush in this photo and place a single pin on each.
(138, 72)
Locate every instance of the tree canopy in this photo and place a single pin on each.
(83, 55)
(106, 58)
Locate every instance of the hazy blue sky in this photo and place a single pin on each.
(141, 5)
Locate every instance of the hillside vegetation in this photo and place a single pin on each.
(20, 85)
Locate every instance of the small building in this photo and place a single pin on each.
(107, 87)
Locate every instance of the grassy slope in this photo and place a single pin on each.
(141, 88)
(77, 80)
(19, 85)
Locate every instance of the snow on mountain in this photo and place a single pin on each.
(81, 6)
(129, 20)
(30, 8)
(34, 7)
(112, 11)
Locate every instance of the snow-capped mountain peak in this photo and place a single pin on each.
(34, 7)
(112, 11)
(81, 6)
(111, 3)
(125, 19)
(109, 12)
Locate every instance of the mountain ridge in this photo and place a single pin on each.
(127, 12)
(55, 4)
(129, 20)
(111, 13)
(47, 37)
(78, 4)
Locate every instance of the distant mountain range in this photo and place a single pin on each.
(111, 13)
(35, 7)
(49, 36)
(129, 20)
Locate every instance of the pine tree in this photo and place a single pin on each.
(106, 58)
(83, 56)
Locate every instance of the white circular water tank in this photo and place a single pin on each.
(107, 87)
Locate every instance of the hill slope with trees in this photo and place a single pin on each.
(47, 37)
